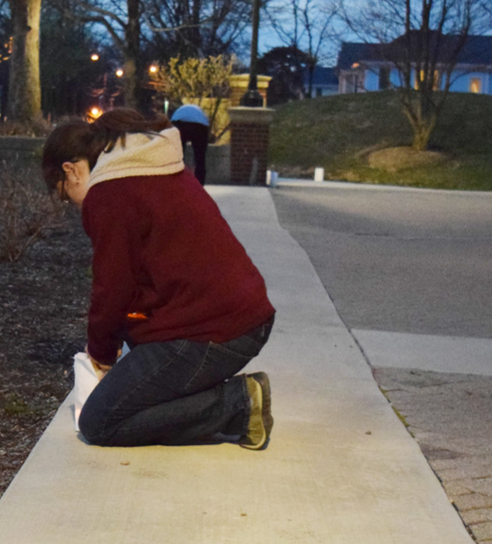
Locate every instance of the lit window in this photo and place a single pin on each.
(436, 82)
(475, 85)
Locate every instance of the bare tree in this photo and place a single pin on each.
(180, 28)
(4, 14)
(24, 102)
(122, 21)
(197, 28)
(307, 25)
(424, 40)
(487, 8)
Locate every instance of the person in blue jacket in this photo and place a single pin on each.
(193, 126)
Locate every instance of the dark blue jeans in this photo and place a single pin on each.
(178, 392)
(197, 134)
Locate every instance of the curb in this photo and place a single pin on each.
(306, 183)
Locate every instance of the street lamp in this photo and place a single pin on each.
(94, 113)
(252, 98)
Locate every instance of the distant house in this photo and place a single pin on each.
(366, 67)
(325, 81)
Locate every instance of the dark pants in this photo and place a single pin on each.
(178, 392)
(197, 134)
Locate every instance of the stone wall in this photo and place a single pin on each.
(218, 163)
(19, 147)
(21, 154)
(27, 152)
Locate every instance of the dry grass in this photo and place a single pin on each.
(393, 159)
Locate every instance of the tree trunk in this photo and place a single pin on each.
(24, 100)
(311, 67)
(132, 54)
(422, 131)
(130, 83)
(421, 136)
(422, 127)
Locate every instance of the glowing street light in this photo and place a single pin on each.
(119, 72)
(94, 113)
(94, 57)
(153, 69)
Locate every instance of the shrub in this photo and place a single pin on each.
(204, 82)
(26, 212)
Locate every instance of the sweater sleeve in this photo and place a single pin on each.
(110, 221)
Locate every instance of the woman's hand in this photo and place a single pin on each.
(101, 370)
(104, 368)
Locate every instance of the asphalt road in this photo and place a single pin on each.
(410, 273)
(402, 261)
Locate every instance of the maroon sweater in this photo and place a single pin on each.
(162, 249)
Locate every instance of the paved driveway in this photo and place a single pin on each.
(398, 260)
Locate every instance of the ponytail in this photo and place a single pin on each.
(115, 124)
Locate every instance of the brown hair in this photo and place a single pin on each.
(78, 139)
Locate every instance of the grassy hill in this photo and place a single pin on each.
(339, 133)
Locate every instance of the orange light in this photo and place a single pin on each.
(153, 69)
(94, 113)
(119, 72)
(355, 65)
(94, 56)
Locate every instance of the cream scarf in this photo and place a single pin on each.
(143, 155)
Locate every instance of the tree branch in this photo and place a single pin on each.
(101, 12)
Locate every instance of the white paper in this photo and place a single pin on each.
(86, 379)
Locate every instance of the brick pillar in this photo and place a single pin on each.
(250, 136)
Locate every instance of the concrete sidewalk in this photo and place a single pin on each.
(341, 468)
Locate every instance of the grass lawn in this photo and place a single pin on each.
(338, 133)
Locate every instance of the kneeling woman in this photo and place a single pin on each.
(169, 278)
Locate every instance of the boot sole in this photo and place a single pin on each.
(266, 406)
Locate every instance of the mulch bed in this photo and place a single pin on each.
(44, 300)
